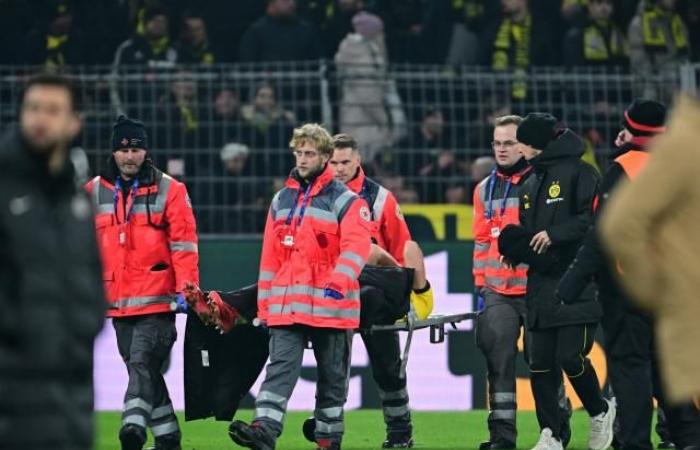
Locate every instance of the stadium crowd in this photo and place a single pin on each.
(227, 140)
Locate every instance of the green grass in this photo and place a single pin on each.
(364, 430)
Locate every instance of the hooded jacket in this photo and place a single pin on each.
(560, 198)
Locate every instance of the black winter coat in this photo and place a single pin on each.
(559, 198)
(52, 302)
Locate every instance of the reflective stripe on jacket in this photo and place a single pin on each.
(145, 262)
(327, 248)
(487, 268)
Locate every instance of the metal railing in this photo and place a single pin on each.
(421, 127)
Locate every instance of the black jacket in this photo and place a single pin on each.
(52, 301)
(591, 263)
(559, 198)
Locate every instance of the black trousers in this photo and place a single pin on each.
(634, 374)
(144, 344)
(563, 348)
(384, 352)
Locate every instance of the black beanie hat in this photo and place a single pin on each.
(645, 117)
(537, 130)
(129, 133)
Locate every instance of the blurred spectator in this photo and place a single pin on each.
(227, 105)
(598, 41)
(362, 70)
(234, 157)
(60, 44)
(480, 169)
(443, 174)
(280, 36)
(152, 47)
(270, 126)
(428, 136)
(522, 39)
(403, 20)
(194, 46)
(658, 40)
(469, 18)
(226, 122)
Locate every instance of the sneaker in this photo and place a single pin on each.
(497, 444)
(399, 439)
(251, 436)
(547, 441)
(223, 316)
(197, 301)
(132, 437)
(602, 433)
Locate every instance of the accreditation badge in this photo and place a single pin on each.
(495, 232)
(288, 241)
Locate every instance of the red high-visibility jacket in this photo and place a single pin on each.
(301, 256)
(390, 230)
(145, 264)
(490, 217)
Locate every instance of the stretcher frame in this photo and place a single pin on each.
(436, 323)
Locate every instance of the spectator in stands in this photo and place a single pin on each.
(151, 48)
(658, 40)
(234, 157)
(269, 126)
(333, 18)
(60, 44)
(443, 173)
(227, 105)
(421, 146)
(280, 36)
(469, 18)
(404, 24)
(598, 41)
(194, 46)
(523, 38)
(362, 69)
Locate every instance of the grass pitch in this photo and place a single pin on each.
(364, 430)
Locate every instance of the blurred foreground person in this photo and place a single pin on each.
(50, 278)
(647, 228)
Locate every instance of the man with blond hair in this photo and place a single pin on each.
(316, 242)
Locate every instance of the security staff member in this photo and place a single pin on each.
(316, 241)
(391, 233)
(500, 289)
(556, 210)
(629, 336)
(50, 287)
(147, 234)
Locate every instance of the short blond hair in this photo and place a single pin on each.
(315, 135)
(510, 119)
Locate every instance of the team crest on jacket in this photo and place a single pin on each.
(554, 190)
(364, 213)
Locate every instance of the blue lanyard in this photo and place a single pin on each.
(492, 187)
(117, 189)
(304, 203)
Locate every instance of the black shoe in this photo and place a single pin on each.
(666, 445)
(132, 437)
(497, 444)
(308, 429)
(251, 436)
(399, 439)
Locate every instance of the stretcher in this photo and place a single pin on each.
(435, 322)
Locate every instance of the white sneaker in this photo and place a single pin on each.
(547, 441)
(602, 428)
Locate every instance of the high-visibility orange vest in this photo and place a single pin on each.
(633, 162)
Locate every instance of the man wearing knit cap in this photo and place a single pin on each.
(147, 236)
(629, 337)
(556, 209)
